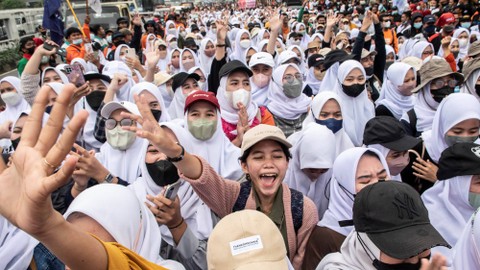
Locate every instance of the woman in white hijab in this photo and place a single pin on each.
(120, 52)
(174, 61)
(326, 109)
(422, 50)
(463, 37)
(139, 231)
(170, 28)
(154, 98)
(206, 55)
(300, 28)
(202, 83)
(242, 42)
(357, 108)
(188, 60)
(349, 170)
(195, 213)
(471, 70)
(309, 170)
(51, 74)
(114, 67)
(466, 253)
(16, 246)
(87, 66)
(286, 102)
(177, 107)
(11, 94)
(396, 95)
(162, 48)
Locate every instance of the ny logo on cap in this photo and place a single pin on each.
(405, 204)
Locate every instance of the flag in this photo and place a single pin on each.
(53, 20)
(96, 5)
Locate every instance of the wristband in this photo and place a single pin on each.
(174, 227)
(221, 45)
(180, 157)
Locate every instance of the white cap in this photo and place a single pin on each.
(261, 58)
(285, 56)
(112, 106)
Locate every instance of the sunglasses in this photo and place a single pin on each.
(112, 123)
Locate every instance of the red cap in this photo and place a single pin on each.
(201, 95)
(446, 18)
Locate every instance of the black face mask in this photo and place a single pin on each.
(401, 266)
(477, 89)
(31, 50)
(353, 90)
(163, 172)
(440, 94)
(95, 98)
(15, 143)
(48, 109)
(203, 33)
(369, 71)
(156, 114)
(118, 43)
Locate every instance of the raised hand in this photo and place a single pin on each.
(276, 22)
(152, 56)
(332, 19)
(221, 30)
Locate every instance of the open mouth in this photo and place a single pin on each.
(268, 178)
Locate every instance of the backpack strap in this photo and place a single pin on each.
(242, 198)
(412, 118)
(297, 209)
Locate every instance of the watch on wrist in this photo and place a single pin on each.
(178, 158)
(108, 178)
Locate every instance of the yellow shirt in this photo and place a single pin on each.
(120, 257)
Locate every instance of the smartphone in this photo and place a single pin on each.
(172, 190)
(88, 48)
(75, 74)
(48, 47)
(131, 53)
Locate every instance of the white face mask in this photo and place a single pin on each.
(240, 95)
(387, 24)
(462, 42)
(260, 80)
(294, 42)
(109, 39)
(77, 41)
(172, 31)
(123, 58)
(188, 64)
(173, 45)
(346, 28)
(11, 98)
(183, 33)
(245, 43)
(120, 139)
(201, 85)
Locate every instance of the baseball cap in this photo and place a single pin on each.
(262, 58)
(393, 216)
(180, 78)
(388, 132)
(246, 239)
(232, 66)
(459, 159)
(445, 18)
(112, 106)
(336, 56)
(263, 132)
(315, 60)
(287, 55)
(194, 27)
(93, 75)
(117, 34)
(366, 53)
(429, 19)
(201, 95)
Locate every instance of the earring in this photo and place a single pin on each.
(247, 176)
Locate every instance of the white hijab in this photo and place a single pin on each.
(449, 209)
(87, 66)
(11, 113)
(463, 50)
(356, 110)
(195, 59)
(419, 47)
(228, 112)
(390, 96)
(196, 214)
(238, 51)
(281, 105)
(205, 61)
(454, 109)
(469, 86)
(330, 79)
(466, 253)
(116, 56)
(342, 140)
(425, 108)
(124, 93)
(308, 153)
(341, 202)
(174, 70)
(220, 153)
(16, 246)
(152, 89)
(312, 81)
(111, 205)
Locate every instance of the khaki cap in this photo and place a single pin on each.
(263, 132)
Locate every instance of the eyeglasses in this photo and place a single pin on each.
(441, 83)
(112, 123)
(427, 52)
(289, 78)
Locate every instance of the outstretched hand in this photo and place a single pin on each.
(25, 186)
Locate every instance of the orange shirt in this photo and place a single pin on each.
(391, 39)
(75, 51)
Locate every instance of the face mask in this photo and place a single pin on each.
(356, 20)
(156, 114)
(466, 24)
(353, 90)
(451, 140)
(463, 42)
(302, 32)
(440, 94)
(294, 42)
(455, 53)
(474, 199)
(240, 95)
(203, 33)
(11, 98)
(109, 39)
(294, 89)
(261, 80)
(15, 142)
(477, 89)
(214, 30)
(188, 64)
(183, 33)
(123, 58)
(201, 85)
(173, 45)
(388, 64)
(45, 59)
(399, 164)
(331, 123)
(245, 43)
(407, 87)
(346, 28)
(386, 25)
(430, 29)
(202, 129)
(77, 41)
(369, 71)
(401, 266)
(95, 98)
(417, 25)
(120, 139)
(172, 31)
(163, 172)
(31, 50)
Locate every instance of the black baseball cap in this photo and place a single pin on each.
(459, 159)
(122, 19)
(335, 56)
(117, 34)
(180, 78)
(92, 76)
(429, 19)
(315, 60)
(388, 132)
(393, 216)
(232, 66)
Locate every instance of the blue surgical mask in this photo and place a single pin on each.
(331, 123)
(417, 25)
(466, 24)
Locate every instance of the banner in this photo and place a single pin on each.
(53, 20)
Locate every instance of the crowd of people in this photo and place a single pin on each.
(339, 135)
